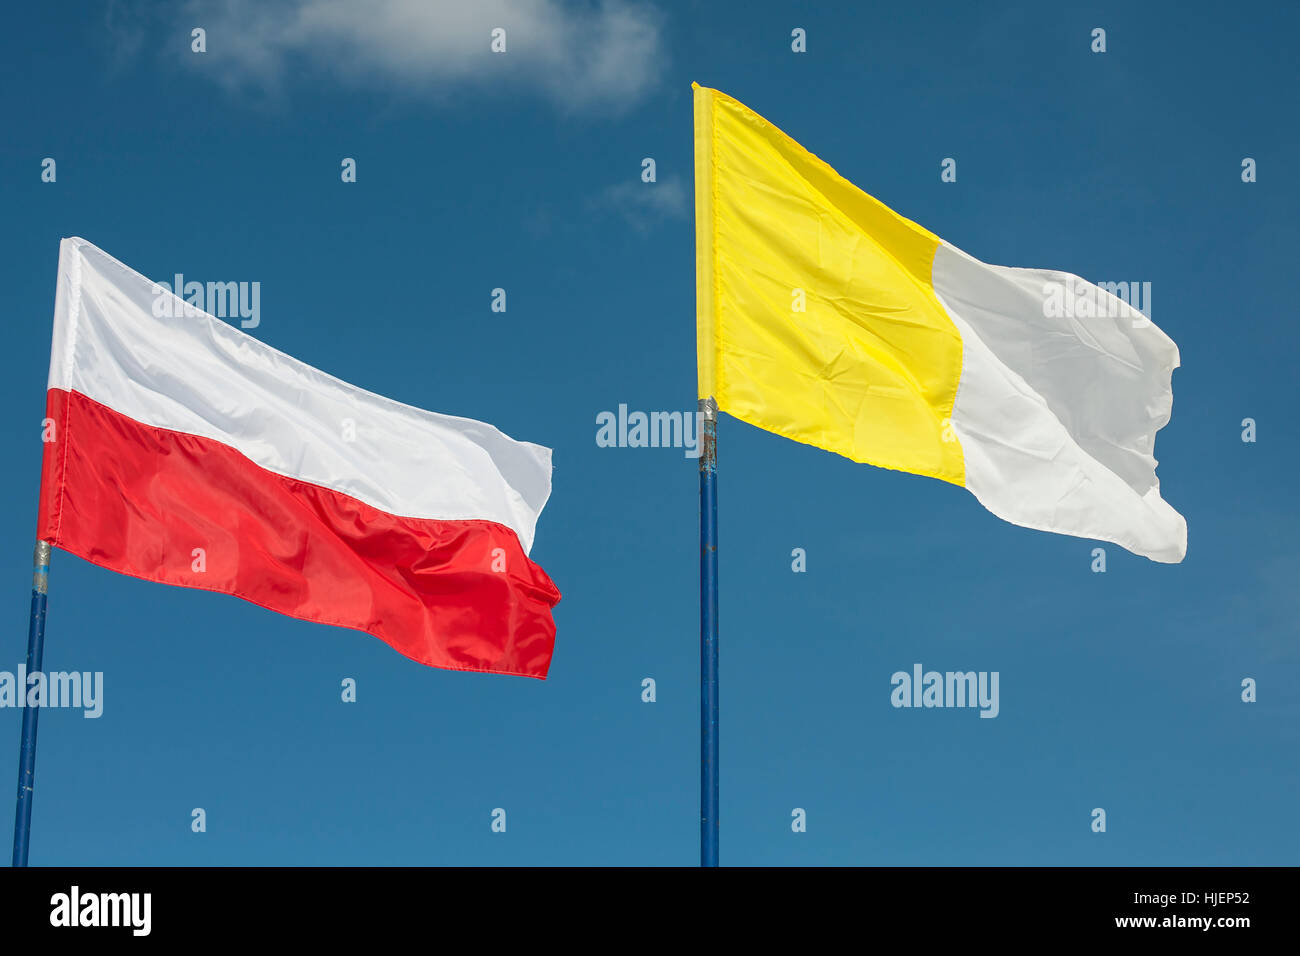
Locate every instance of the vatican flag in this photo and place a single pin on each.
(826, 317)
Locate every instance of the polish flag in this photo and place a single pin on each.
(181, 450)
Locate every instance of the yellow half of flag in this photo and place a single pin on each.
(816, 317)
(826, 317)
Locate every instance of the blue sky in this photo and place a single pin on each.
(1118, 690)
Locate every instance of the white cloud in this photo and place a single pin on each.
(126, 31)
(644, 205)
(578, 53)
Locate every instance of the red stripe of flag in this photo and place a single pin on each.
(455, 594)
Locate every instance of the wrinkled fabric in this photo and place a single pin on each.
(824, 316)
(816, 318)
(1058, 408)
(197, 374)
(183, 451)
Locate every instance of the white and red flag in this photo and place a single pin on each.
(183, 450)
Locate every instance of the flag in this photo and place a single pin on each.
(182, 450)
(826, 317)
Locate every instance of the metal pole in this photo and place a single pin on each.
(709, 633)
(27, 755)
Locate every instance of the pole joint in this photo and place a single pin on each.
(41, 568)
(708, 435)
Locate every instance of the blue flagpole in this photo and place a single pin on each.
(709, 633)
(27, 755)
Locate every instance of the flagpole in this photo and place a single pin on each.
(27, 755)
(708, 632)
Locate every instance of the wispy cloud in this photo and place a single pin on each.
(580, 55)
(644, 205)
(125, 30)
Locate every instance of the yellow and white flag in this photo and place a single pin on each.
(826, 317)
